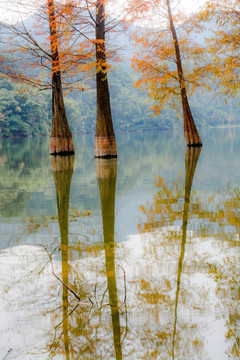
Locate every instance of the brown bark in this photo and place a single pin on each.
(61, 138)
(190, 131)
(106, 174)
(105, 142)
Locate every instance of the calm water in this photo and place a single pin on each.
(135, 258)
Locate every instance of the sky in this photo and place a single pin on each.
(192, 5)
(9, 13)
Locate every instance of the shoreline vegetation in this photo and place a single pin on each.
(28, 113)
(119, 131)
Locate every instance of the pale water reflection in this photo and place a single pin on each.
(145, 248)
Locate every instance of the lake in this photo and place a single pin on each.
(129, 258)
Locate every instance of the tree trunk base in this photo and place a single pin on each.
(195, 145)
(61, 146)
(191, 134)
(105, 147)
(192, 137)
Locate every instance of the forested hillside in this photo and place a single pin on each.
(28, 113)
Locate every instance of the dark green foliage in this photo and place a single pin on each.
(81, 111)
(29, 113)
(23, 113)
(212, 111)
(130, 107)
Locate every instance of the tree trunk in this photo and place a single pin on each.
(190, 131)
(106, 175)
(105, 142)
(61, 138)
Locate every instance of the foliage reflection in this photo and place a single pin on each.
(205, 219)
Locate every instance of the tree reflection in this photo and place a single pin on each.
(106, 174)
(62, 169)
(191, 159)
(163, 216)
(182, 271)
(83, 334)
(210, 228)
(80, 332)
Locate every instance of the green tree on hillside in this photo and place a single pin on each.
(22, 114)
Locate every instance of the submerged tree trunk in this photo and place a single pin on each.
(105, 142)
(106, 175)
(190, 131)
(61, 138)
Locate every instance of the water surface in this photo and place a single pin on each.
(134, 258)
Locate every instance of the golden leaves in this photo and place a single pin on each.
(220, 209)
(166, 206)
(156, 64)
(223, 45)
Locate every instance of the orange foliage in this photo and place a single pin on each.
(224, 43)
(72, 36)
(61, 50)
(155, 60)
(220, 209)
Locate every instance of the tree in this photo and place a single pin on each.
(61, 137)
(93, 14)
(105, 142)
(69, 25)
(102, 19)
(223, 45)
(162, 58)
(39, 55)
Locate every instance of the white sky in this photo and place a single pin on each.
(8, 14)
(192, 5)
(11, 12)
